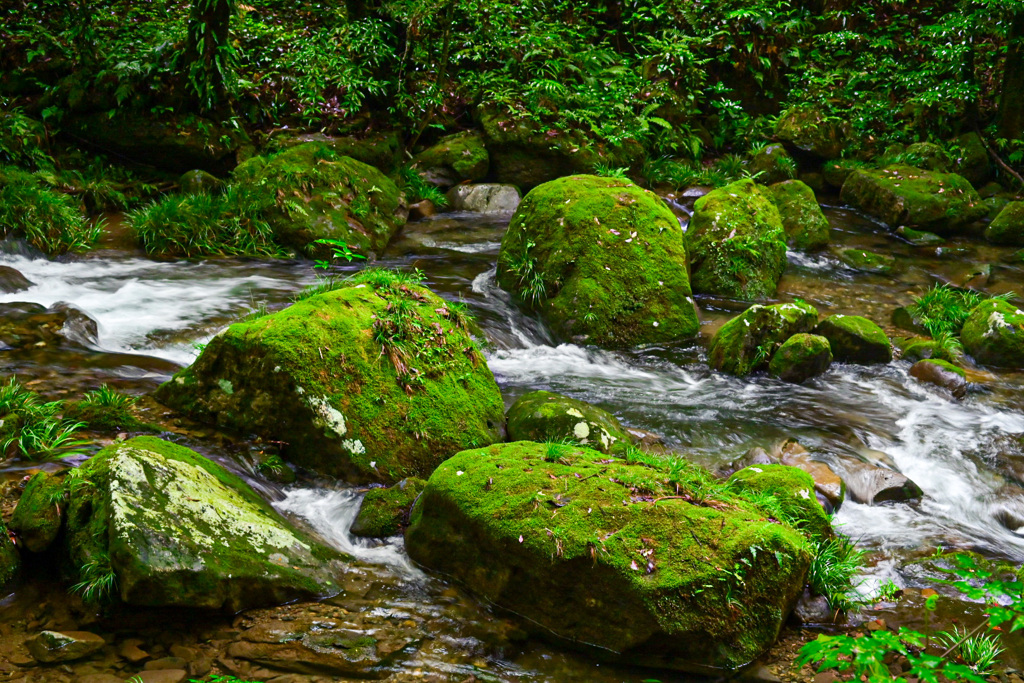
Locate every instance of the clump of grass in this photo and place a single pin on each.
(98, 581)
(384, 278)
(33, 429)
(417, 189)
(531, 287)
(979, 651)
(49, 220)
(608, 171)
(105, 409)
(227, 224)
(833, 568)
(944, 310)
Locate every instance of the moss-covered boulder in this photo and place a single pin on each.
(994, 334)
(381, 149)
(547, 416)
(772, 164)
(942, 374)
(37, 518)
(736, 242)
(385, 511)
(610, 556)
(793, 490)
(970, 158)
(602, 261)
(868, 261)
(747, 342)
(310, 192)
(855, 339)
(920, 238)
(157, 524)
(196, 181)
(808, 129)
(377, 380)
(921, 348)
(836, 172)
(1008, 226)
(927, 156)
(806, 227)
(10, 560)
(454, 159)
(801, 357)
(904, 195)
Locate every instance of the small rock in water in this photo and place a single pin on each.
(941, 374)
(422, 209)
(868, 484)
(12, 280)
(484, 198)
(58, 646)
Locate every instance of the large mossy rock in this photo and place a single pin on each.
(309, 192)
(994, 334)
(454, 159)
(808, 130)
(37, 519)
(547, 416)
(903, 195)
(526, 154)
(801, 357)
(855, 339)
(806, 227)
(1008, 226)
(384, 511)
(736, 242)
(609, 556)
(176, 529)
(375, 381)
(748, 341)
(602, 261)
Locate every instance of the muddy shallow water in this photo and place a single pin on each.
(968, 456)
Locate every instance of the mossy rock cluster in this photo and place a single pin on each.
(454, 159)
(747, 342)
(736, 242)
(903, 195)
(385, 511)
(994, 334)
(806, 227)
(855, 339)
(610, 557)
(376, 380)
(809, 130)
(602, 261)
(1008, 226)
(547, 416)
(801, 357)
(165, 526)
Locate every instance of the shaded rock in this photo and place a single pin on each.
(855, 339)
(37, 518)
(382, 150)
(868, 261)
(638, 577)
(942, 374)
(165, 663)
(131, 652)
(546, 416)
(836, 172)
(995, 205)
(66, 646)
(903, 318)
(484, 198)
(828, 485)
(808, 129)
(919, 238)
(994, 334)
(602, 261)
(801, 357)
(970, 158)
(813, 609)
(903, 195)
(772, 164)
(176, 529)
(197, 181)
(870, 485)
(422, 209)
(11, 280)
(315, 377)
(1008, 227)
(748, 341)
(385, 511)
(25, 325)
(454, 159)
(927, 156)
(736, 242)
(806, 227)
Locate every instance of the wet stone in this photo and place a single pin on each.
(57, 646)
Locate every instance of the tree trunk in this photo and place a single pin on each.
(1011, 103)
(207, 52)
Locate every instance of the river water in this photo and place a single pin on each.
(966, 456)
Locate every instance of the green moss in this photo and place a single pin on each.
(855, 339)
(602, 261)
(994, 334)
(37, 518)
(806, 227)
(384, 511)
(793, 489)
(1007, 227)
(772, 164)
(736, 243)
(546, 416)
(656, 577)
(945, 365)
(747, 342)
(919, 238)
(868, 261)
(462, 154)
(808, 129)
(376, 380)
(904, 195)
(920, 348)
(927, 156)
(800, 357)
(10, 561)
(836, 172)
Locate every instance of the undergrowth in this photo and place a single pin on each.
(35, 430)
(943, 310)
(48, 220)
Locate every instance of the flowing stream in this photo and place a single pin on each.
(967, 456)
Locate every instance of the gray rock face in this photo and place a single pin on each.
(484, 198)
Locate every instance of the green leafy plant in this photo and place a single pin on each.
(833, 567)
(943, 310)
(33, 429)
(980, 651)
(417, 189)
(98, 581)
